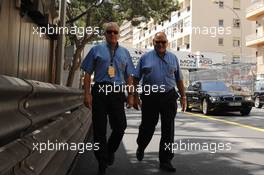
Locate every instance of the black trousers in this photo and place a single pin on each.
(152, 105)
(111, 105)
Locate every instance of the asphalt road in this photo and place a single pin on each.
(226, 144)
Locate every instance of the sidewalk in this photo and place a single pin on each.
(125, 161)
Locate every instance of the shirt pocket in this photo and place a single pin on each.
(171, 69)
(121, 63)
(146, 71)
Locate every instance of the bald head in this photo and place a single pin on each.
(160, 36)
(160, 42)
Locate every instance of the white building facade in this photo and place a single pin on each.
(204, 26)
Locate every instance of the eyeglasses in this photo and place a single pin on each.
(160, 42)
(112, 31)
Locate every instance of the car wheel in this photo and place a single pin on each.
(257, 102)
(245, 111)
(205, 107)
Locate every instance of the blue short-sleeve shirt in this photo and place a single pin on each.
(153, 70)
(99, 58)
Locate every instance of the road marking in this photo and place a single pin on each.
(227, 122)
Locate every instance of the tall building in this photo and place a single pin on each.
(126, 34)
(255, 13)
(204, 26)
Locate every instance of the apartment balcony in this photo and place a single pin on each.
(255, 10)
(260, 69)
(184, 47)
(255, 40)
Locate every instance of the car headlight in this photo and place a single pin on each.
(248, 98)
(214, 99)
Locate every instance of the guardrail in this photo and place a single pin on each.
(32, 113)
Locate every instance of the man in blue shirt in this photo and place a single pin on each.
(160, 69)
(113, 68)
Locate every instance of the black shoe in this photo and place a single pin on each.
(140, 154)
(167, 166)
(101, 169)
(111, 158)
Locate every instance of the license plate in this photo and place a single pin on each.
(234, 104)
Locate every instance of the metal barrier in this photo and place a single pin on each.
(45, 113)
(235, 75)
(13, 121)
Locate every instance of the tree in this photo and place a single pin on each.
(93, 13)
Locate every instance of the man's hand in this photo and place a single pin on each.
(183, 103)
(88, 101)
(137, 102)
(130, 101)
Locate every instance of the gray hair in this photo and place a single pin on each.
(111, 24)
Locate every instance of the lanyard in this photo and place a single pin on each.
(162, 59)
(112, 54)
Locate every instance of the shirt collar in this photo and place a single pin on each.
(109, 46)
(163, 59)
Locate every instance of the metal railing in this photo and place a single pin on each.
(253, 37)
(33, 112)
(241, 75)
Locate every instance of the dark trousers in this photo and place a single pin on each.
(111, 105)
(152, 105)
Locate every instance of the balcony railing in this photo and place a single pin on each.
(253, 37)
(255, 6)
(183, 47)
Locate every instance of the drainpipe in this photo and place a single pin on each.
(61, 43)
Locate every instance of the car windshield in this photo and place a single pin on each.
(214, 86)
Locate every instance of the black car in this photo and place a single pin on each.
(209, 96)
(259, 98)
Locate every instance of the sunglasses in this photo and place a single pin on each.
(112, 31)
(160, 42)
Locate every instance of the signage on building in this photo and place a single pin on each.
(193, 63)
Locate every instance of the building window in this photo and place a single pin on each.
(173, 44)
(236, 4)
(236, 42)
(236, 23)
(221, 4)
(220, 41)
(221, 23)
(236, 59)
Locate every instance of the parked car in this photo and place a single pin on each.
(209, 96)
(259, 98)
